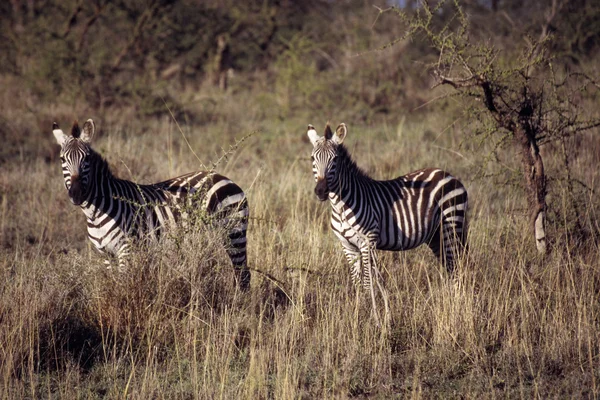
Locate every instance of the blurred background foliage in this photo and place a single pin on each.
(310, 54)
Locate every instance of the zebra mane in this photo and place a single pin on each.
(346, 159)
(100, 164)
(75, 130)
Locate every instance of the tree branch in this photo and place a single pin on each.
(89, 23)
(72, 19)
(137, 33)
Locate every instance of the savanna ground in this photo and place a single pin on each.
(508, 323)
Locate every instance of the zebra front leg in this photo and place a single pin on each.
(366, 255)
(384, 294)
(371, 273)
(115, 260)
(354, 259)
(122, 254)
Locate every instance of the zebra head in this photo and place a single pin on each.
(74, 156)
(324, 157)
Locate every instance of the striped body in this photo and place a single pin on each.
(424, 207)
(119, 211)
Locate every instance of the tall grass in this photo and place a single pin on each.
(507, 324)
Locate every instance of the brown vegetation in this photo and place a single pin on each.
(510, 324)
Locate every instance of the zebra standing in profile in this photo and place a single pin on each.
(119, 211)
(426, 206)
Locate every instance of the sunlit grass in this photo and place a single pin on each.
(508, 323)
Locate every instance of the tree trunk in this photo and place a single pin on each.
(221, 62)
(535, 180)
(524, 131)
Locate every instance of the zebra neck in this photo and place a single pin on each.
(347, 177)
(101, 184)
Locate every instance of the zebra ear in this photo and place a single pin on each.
(328, 132)
(59, 134)
(340, 133)
(312, 134)
(88, 131)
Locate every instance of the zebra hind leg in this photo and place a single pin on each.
(436, 245)
(443, 244)
(453, 242)
(237, 222)
(233, 219)
(236, 250)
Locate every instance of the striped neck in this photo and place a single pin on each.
(100, 180)
(346, 175)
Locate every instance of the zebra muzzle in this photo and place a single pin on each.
(321, 190)
(76, 191)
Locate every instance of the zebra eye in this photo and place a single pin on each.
(312, 158)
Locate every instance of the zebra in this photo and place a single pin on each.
(120, 212)
(427, 206)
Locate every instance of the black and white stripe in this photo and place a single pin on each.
(426, 206)
(119, 211)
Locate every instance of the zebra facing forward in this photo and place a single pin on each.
(119, 211)
(426, 206)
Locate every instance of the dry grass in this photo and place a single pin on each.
(509, 324)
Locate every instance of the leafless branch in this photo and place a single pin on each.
(136, 35)
(98, 10)
(72, 20)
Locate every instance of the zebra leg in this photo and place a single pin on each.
(237, 223)
(436, 244)
(367, 253)
(120, 257)
(447, 242)
(450, 245)
(455, 237)
(122, 254)
(237, 253)
(354, 259)
(453, 233)
(382, 290)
